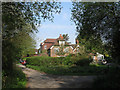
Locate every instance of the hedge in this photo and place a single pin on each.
(54, 61)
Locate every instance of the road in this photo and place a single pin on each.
(43, 80)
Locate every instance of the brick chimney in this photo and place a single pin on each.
(77, 42)
(61, 37)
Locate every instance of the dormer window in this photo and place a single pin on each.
(61, 42)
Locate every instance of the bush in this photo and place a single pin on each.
(70, 55)
(82, 60)
(44, 61)
(67, 61)
(49, 61)
(16, 79)
(54, 61)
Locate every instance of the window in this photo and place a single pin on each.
(45, 47)
(66, 50)
(56, 50)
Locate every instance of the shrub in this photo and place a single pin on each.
(54, 61)
(16, 79)
(44, 61)
(70, 55)
(82, 60)
(67, 61)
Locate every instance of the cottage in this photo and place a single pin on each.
(58, 47)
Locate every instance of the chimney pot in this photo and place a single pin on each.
(77, 42)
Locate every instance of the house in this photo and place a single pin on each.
(53, 47)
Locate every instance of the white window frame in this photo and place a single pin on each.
(56, 50)
(66, 50)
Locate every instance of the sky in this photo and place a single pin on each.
(61, 24)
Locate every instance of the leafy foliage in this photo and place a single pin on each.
(17, 14)
(19, 22)
(16, 80)
(66, 37)
(98, 26)
(44, 61)
(18, 19)
(25, 41)
(66, 65)
(56, 61)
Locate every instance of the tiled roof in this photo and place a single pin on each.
(50, 40)
(48, 45)
(56, 43)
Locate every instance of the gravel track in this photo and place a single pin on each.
(43, 80)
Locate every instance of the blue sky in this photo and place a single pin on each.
(61, 25)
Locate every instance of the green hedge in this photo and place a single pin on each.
(54, 61)
(45, 61)
(83, 61)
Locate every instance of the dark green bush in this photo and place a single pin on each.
(82, 60)
(16, 79)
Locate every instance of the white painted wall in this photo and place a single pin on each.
(62, 42)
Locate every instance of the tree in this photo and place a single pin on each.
(91, 43)
(24, 41)
(100, 21)
(66, 37)
(16, 16)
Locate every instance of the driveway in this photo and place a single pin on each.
(43, 80)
